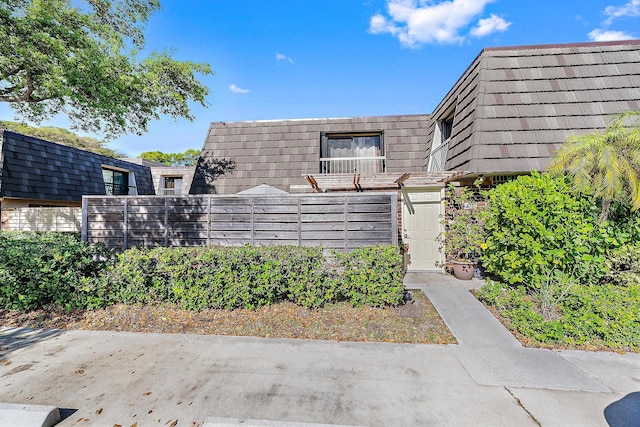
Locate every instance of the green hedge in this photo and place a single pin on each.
(39, 269)
(249, 276)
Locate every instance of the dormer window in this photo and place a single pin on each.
(116, 183)
(352, 153)
(440, 142)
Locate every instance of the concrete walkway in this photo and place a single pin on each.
(488, 379)
(490, 354)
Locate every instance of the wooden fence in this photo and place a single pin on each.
(340, 221)
(42, 219)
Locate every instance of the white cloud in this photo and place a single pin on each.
(631, 8)
(415, 23)
(235, 89)
(607, 36)
(490, 25)
(280, 57)
(603, 34)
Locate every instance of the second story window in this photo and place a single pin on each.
(352, 153)
(116, 183)
(172, 185)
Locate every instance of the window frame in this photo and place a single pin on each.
(110, 185)
(325, 138)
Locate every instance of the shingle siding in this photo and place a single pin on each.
(36, 169)
(533, 98)
(279, 153)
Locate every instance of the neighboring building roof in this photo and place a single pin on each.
(32, 168)
(280, 152)
(514, 106)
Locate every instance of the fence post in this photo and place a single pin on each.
(394, 218)
(166, 222)
(209, 221)
(299, 220)
(85, 219)
(346, 221)
(126, 224)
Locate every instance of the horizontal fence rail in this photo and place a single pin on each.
(344, 221)
(65, 219)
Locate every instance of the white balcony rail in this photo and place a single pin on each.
(170, 192)
(438, 158)
(353, 164)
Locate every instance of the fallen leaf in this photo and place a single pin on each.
(99, 411)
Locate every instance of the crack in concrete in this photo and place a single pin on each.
(519, 402)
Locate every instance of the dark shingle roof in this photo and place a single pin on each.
(32, 168)
(516, 106)
(280, 152)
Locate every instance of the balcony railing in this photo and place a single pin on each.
(112, 189)
(438, 158)
(353, 164)
(170, 191)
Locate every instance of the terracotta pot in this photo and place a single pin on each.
(463, 270)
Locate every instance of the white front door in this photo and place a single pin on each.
(421, 229)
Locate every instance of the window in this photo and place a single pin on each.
(116, 182)
(446, 127)
(352, 153)
(172, 185)
(440, 142)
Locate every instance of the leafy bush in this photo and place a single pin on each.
(534, 224)
(623, 266)
(591, 315)
(463, 225)
(41, 268)
(370, 275)
(249, 276)
(38, 269)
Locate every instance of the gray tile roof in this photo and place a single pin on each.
(280, 152)
(516, 106)
(31, 168)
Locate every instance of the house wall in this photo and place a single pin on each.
(279, 153)
(517, 105)
(35, 169)
(61, 219)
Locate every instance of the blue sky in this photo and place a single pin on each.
(287, 59)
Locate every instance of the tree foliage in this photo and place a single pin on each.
(188, 158)
(605, 164)
(80, 58)
(62, 136)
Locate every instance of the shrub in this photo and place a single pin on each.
(534, 224)
(623, 266)
(463, 225)
(249, 276)
(591, 315)
(370, 275)
(41, 268)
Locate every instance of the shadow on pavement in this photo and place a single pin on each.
(624, 412)
(12, 339)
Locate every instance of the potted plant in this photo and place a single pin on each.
(463, 232)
